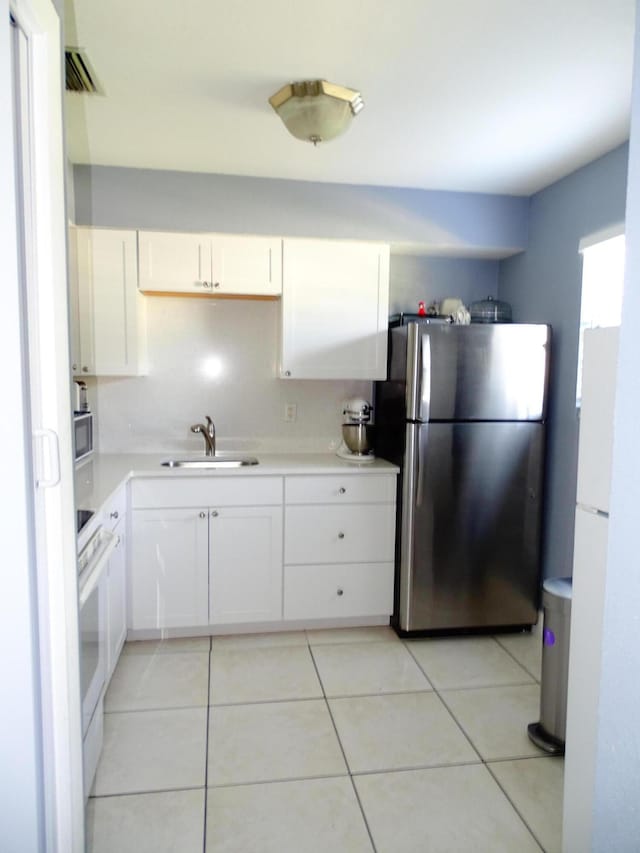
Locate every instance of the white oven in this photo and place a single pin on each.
(92, 563)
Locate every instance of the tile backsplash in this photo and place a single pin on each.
(218, 358)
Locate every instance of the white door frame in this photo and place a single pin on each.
(49, 414)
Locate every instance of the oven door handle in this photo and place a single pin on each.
(91, 575)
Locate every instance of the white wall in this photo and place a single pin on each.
(217, 357)
(246, 399)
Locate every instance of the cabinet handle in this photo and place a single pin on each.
(113, 514)
(341, 535)
(341, 490)
(214, 513)
(340, 591)
(202, 514)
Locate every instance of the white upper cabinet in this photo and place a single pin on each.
(216, 264)
(335, 304)
(108, 316)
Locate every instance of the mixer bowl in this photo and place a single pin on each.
(359, 438)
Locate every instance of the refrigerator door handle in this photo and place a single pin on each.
(414, 377)
(407, 531)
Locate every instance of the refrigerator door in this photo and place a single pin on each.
(487, 372)
(470, 526)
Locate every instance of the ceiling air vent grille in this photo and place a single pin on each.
(80, 76)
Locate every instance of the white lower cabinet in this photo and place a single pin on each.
(339, 546)
(221, 551)
(116, 619)
(170, 568)
(245, 565)
(197, 566)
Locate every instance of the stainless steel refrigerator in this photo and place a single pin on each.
(463, 415)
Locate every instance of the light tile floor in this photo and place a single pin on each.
(344, 740)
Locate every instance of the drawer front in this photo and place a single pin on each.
(322, 592)
(158, 492)
(341, 489)
(115, 510)
(333, 534)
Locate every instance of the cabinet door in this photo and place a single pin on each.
(74, 306)
(246, 564)
(174, 263)
(244, 265)
(169, 571)
(110, 308)
(335, 298)
(116, 606)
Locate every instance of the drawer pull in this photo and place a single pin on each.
(342, 490)
(202, 514)
(341, 535)
(340, 591)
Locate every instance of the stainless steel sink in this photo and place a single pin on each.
(210, 462)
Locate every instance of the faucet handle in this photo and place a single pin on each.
(197, 428)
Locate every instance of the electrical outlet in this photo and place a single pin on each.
(290, 412)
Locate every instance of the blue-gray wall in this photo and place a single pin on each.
(475, 227)
(468, 224)
(543, 285)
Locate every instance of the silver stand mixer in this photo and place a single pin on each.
(357, 432)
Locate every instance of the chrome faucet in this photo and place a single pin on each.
(208, 432)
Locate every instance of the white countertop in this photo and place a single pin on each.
(100, 477)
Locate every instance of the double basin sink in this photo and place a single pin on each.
(217, 461)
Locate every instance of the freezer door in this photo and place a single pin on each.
(479, 372)
(470, 526)
(599, 364)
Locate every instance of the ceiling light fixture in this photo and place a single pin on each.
(315, 110)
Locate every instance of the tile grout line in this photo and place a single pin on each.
(344, 755)
(515, 808)
(520, 664)
(448, 709)
(206, 752)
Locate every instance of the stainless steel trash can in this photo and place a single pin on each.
(549, 732)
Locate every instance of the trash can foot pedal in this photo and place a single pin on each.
(544, 740)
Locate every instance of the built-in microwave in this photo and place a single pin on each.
(82, 435)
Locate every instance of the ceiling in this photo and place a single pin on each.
(497, 96)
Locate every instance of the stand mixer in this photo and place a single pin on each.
(357, 432)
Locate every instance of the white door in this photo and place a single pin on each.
(174, 263)
(335, 300)
(246, 564)
(169, 568)
(583, 693)
(247, 265)
(38, 474)
(108, 301)
(116, 608)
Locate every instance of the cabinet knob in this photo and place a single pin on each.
(114, 514)
(216, 284)
(214, 513)
(287, 373)
(85, 369)
(202, 514)
(74, 367)
(341, 490)
(341, 535)
(340, 591)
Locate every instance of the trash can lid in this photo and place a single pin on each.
(560, 587)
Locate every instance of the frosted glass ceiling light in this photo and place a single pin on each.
(315, 110)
